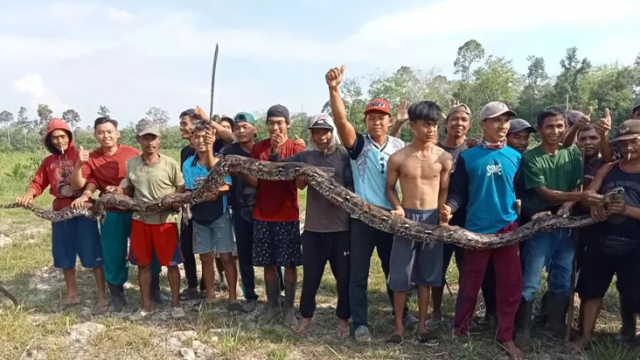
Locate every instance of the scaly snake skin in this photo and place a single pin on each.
(336, 193)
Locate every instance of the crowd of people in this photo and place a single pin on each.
(490, 185)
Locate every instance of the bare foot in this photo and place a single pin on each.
(578, 346)
(101, 307)
(303, 325)
(70, 300)
(342, 329)
(512, 350)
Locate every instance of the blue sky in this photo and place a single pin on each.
(134, 55)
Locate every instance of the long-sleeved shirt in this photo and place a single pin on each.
(483, 182)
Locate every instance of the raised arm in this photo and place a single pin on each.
(77, 180)
(393, 172)
(345, 130)
(581, 124)
(210, 160)
(223, 133)
(401, 117)
(602, 128)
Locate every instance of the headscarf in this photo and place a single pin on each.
(335, 140)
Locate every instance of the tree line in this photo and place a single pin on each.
(480, 78)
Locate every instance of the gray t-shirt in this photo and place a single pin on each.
(321, 215)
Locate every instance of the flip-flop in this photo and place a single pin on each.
(101, 310)
(428, 339)
(395, 339)
(343, 333)
(65, 307)
(189, 294)
(234, 307)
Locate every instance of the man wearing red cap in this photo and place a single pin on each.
(74, 237)
(369, 155)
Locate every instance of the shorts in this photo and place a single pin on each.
(73, 238)
(414, 261)
(598, 269)
(276, 243)
(216, 236)
(160, 240)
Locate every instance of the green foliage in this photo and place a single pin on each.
(483, 78)
(608, 349)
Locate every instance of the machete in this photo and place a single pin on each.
(213, 81)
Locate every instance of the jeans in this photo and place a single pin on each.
(364, 239)
(555, 249)
(244, 244)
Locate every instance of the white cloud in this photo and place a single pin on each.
(33, 86)
(120, 16)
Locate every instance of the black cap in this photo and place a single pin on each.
(517, 125)
(278, 111)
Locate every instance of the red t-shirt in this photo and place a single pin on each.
(276, 200)
(55, 172)
(104, 170)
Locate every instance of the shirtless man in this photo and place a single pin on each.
(423, 170)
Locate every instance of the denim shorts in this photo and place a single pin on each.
(216, 236)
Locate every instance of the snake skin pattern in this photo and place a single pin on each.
(336, 193)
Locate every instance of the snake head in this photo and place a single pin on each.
(613, 195)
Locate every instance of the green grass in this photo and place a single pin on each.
(26, 268)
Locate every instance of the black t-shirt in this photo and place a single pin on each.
(460, 216)
(617, 226)
(243, 196)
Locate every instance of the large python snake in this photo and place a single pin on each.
(325, 184)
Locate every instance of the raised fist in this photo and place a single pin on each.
(83, 155)
(334, 77)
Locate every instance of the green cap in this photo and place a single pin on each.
(244, 117)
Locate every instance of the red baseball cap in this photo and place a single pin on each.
(381, 105)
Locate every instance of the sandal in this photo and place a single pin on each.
(101, 310)
(428, 338)
(189, 294)
(302, 330)
(395, 339)
(66, 306)
(234, 307)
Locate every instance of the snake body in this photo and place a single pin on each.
(325, 184)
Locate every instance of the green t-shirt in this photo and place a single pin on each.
(151, 182)
(562, 172)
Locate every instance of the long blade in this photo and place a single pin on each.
(213, 81)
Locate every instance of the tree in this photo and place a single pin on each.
(23, 122)
(103, 110)
(158, 116)
(6, 117)
(44, 116)
(469, 53)
(71, 117)
(568, 83)
(536, 91)
(496, 80)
